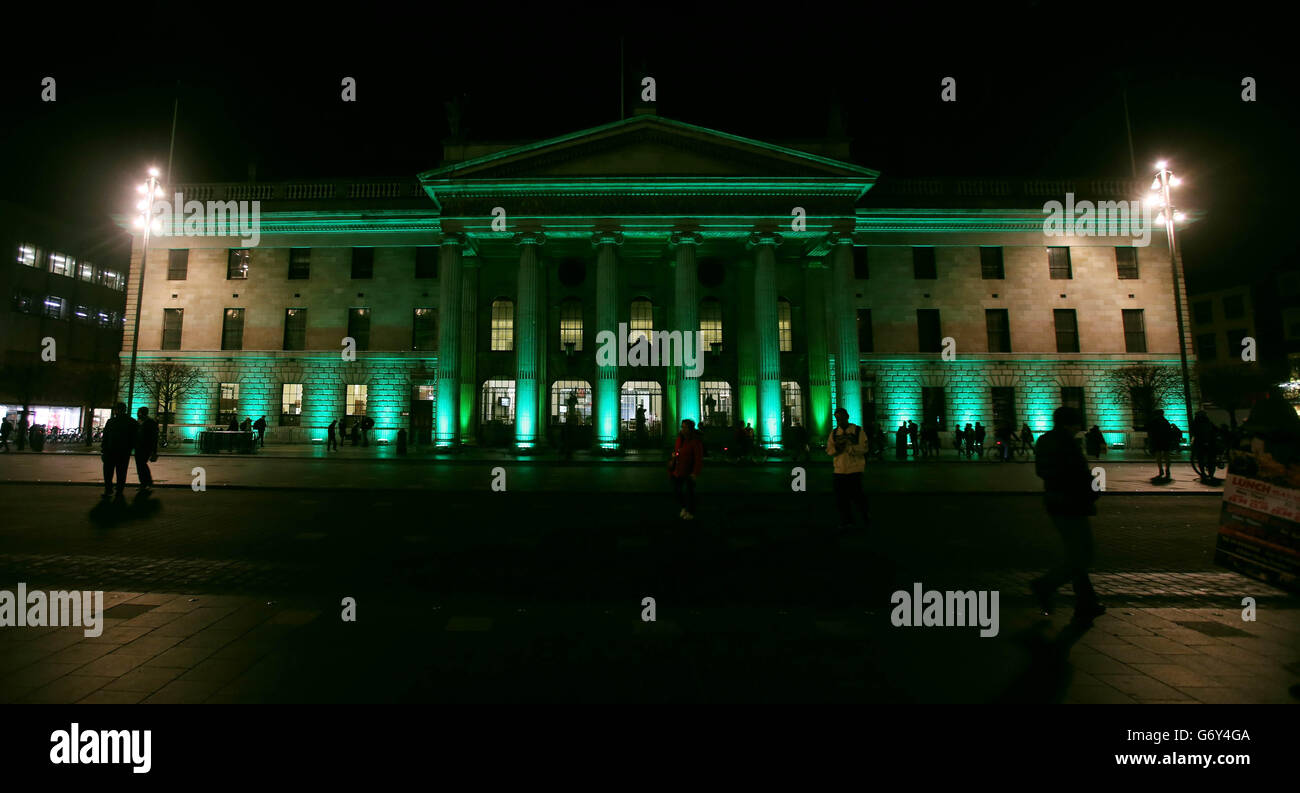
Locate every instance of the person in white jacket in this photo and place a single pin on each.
(847, 445)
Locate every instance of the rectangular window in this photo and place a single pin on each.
(81, 314)
(232, 329)
(24, 301)
(1234, 307)
(1058, 264)
(784, 326)
(1004, 407)
(571, 324)
(363, 263)
(1291, 324)
(866, 342)
(861, 268)
(934, 407)
(290, 404)
(54, 307)
(359, 327)
(1126, 263)
(27, 255)
(178, 263)
(173, 318)
(86, 272)
(503, 326)
(237, 264)
(1067, 330)
(1235, 335)
(991, 264)
(998, 323)
(424, 329)
(1207, 347)
(929, 331)
(711, 323)
(1072, 397)
(112, 279)
(356, 400)
(1135, 332)
(426, 261)
(299, 264)
(228, 404)
(1203, 312)
(923, 266)
(295, 329)
(62, 264)
(642, 322)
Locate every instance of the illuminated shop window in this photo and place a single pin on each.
(356, 400)
(791, 404)
(497, 402)
(571, 402)
(290, 404)
(228, 404)
(716, 409)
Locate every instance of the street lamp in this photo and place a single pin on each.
(1160, 187)
(145, 221)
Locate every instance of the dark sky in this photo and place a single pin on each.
(1040, 105)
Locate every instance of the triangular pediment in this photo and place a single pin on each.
(651, 147)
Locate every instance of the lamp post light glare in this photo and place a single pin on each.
(146, 222)
(1164, 181)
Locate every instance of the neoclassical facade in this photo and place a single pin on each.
(471, 305)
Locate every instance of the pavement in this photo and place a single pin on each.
(237, 596)
(379, 468)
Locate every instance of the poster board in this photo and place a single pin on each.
(1259, 522)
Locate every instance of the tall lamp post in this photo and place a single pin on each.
(1160, 196)
(146, 222)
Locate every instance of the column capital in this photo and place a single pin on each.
(458, 238)
(685, 238)
(758, 238)
(530, 238)
(606, 238)
(839, 238)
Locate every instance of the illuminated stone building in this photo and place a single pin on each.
(475, 294)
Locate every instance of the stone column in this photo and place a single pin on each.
(468, 349)
(605, 406)
(848, 386)
(746, 349)
(686, 317)
(528, 335)
(447, 422)
(819, 380)
(768, 430)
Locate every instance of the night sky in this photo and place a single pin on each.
(1042, 106)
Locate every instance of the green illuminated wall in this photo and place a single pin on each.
(389, 379)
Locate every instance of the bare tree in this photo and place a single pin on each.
(1144, 387)
(167, 384)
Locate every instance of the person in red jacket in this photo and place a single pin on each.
(688, 457)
